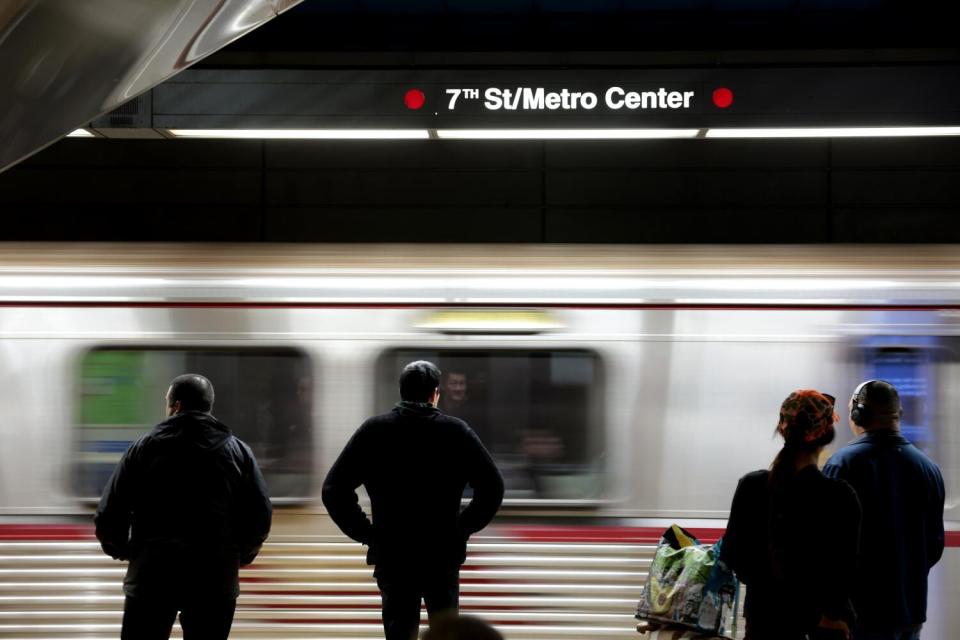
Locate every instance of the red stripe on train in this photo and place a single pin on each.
(631, 535)
(525, 533)
(46, 532)
(622, 535)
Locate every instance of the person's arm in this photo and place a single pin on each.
(735, 548)
(340, 491)
(113, 516)
(842, 559)
(935, 535)
(484, 476)
(256, 511)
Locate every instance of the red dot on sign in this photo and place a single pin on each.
(722, 97)
(414, 99)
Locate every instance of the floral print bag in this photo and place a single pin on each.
(688, 585)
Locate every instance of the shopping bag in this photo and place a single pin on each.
(688, 585)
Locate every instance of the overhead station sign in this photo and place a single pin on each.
(540, 98)
(429, 103)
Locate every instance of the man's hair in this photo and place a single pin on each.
(418, 380)
(883, 402)
(193, 391)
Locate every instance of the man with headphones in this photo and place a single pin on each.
(901, 535)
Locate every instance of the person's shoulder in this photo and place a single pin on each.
(839, 488)
(375, 426)
(240, 446)
(918, 454)
(378, 421)
(754, 481)
(753, 490)
(446, 418)
(867, 446)
(861, 445)
(458, 426)
(922, 461)
(756, 476)
(856, 448)
(148, 440)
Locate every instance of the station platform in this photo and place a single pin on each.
(320, 587)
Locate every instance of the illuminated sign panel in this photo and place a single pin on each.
(723, 101)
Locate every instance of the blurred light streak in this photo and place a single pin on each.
(303, 134)
(833, 132)
(565, 134)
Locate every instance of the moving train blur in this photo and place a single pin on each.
(619, 389)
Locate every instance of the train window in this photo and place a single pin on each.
(263, 394)
(539, 412)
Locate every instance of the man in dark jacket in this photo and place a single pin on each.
(901, 492)
(187, 506)
(415, 463)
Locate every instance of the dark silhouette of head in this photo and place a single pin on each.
(189, 392)
(876, 405)
(419, 381)
(806, 421)
(806, 424)
(454, 627)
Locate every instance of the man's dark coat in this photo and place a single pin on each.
(414, 463)
(187, 506)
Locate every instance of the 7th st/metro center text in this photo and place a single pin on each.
(538, 98)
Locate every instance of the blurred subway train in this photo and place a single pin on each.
(619, 389)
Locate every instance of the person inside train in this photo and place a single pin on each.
(454, 390)
(542, 449)
(187, 506)
(792, 534)
(415, 463)
(902, 494)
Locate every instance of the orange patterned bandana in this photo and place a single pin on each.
(808, 411)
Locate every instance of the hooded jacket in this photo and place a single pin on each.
(187, 506)
(414, 463)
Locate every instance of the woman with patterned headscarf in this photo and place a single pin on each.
(792, 534)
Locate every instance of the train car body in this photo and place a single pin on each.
(619, 389)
